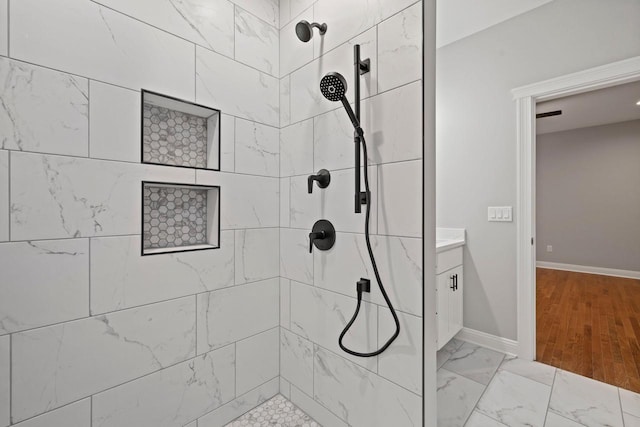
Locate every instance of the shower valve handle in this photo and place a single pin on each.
(323, 177)
(322, 236)
(316, 236)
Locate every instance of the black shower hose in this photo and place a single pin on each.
(375, 270)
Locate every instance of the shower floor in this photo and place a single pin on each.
(276, 412)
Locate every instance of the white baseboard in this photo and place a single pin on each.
(591, 270)
(503, 345)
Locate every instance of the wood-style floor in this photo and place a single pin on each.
(590, 325)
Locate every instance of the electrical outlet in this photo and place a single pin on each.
(549, 248)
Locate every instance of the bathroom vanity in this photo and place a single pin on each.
(449, 282)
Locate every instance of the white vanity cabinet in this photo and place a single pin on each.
(449, 291)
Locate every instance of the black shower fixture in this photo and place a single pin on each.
(304, 30)
(323, 177)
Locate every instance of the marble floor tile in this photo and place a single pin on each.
(630, 402)
(555, 420)
(478, 419)
(447, 351)
(457, 396)
(631, 421)
(533, 370)
(515, 401)
(277, 411)
(474, 362)
(585, 401)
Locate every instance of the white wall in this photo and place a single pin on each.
(319, 288)
(476, 129)
(588, 197)
(90, 332)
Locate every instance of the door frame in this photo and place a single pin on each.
(526, 97)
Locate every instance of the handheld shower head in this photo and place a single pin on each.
(334, 87)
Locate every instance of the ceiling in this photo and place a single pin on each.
(599, 107)
(457, 19)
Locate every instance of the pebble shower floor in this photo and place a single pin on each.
(276, 412)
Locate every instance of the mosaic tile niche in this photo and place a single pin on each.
(179, 217)
(178, 133)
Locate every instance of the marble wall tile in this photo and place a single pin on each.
(285, 12)
(256, 43)
(555, 420)
(5, 380)
(298, 6)
(87, 39)
(258, 205)
(4, 195)
(533, 370)
(573, 397)
(227, 143)
(257, 360)
(293, 52)
(402, 361)
(43, 110)
(231, 314)
(478, 419)
(630, 402)
(474, 362)
(351, 18)
(193, 424)
(285, 96)
(257, 254)
(208, 23)
(77, 414)
(236, 89)
(315, 410)
(400, 212)
(361, 397)
(240, 405)
(296, 149)
(296, 360)
(173, 396)
(257, 148)
(60, 197)
(296, 263)
(43, 282)
(399, 263)
(392, 123)
(320, 316)
(515, 401)
(63, 363)
(285, 197)
(114, 123)
(285, 303)
(457, 396)
(128, 285)
(285, 388)
(400, 48)
(334, 202)
(307, 100)
(333, 141)
(267, 10)
(4, 20)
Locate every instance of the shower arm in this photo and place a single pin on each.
(359, 68)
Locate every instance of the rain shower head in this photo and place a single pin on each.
(304, 30)
(334, 87)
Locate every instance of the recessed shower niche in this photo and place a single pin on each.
(179, 217)
(179, 133)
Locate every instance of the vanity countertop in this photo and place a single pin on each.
(449, 238)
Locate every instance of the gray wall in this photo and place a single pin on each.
(476, 129)
(588, 196)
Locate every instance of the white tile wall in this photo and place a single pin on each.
(243, 92)
(142, 280)
(172, 396)
(114, 125)
(285, 303)
(227, 143)
(4, 195)
(5, 380)
(294, 53)
(59, 364)
(285, 186)
(43, 282)
(285, 12)
(400, 214)
(318, 412)
(256, 43)
(296, 360)
(296, 149)
(257, 360)
(257, 254)
(402, 362)
(298, 6)
(4, 20)
(296, 262)
(77, 414)
(229, 315)
(285, 388)
(333, 141)
(256, 149)
(267, 10)
(285, 96)
(84, 38)
(208, 23)
(43, 110)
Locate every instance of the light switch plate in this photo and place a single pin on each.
(500, 214)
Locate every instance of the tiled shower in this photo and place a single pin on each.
(104, 319)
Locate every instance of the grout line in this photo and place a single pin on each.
(90, 410)
(89, 262)
(486, 386)
(88, 118)
(9, 221)
(555, 372)
(10, 378)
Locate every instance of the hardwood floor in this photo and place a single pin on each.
(589, 324)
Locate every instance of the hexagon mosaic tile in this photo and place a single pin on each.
(172, 137)
(174, 217)
(276, 412)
